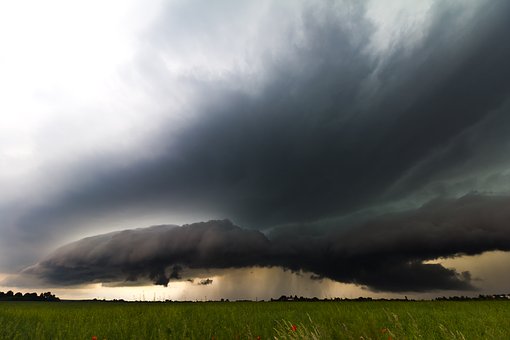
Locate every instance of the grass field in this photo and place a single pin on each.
(250, 320)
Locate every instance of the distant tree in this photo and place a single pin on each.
(30, 297)
(10, 296)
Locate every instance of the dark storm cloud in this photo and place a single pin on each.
(158, 253)
(384, 254)
(308, 146)
(332, 130)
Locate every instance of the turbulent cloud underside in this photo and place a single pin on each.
(384, 254)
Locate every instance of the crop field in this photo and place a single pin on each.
(256, 320)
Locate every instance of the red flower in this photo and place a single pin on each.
(94, 337)
(258, 337)
(294, 328)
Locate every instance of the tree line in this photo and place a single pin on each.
(11, 296)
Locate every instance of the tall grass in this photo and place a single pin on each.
(252, 320)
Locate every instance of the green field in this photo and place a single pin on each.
(250, 320)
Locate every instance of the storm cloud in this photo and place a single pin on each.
(323, 136)
(345, 149)
(387, 254)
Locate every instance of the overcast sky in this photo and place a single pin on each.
(358, 147)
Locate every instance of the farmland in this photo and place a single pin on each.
(250, 320)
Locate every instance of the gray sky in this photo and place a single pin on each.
(352, 138)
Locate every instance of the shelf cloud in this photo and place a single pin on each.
(388, 253)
